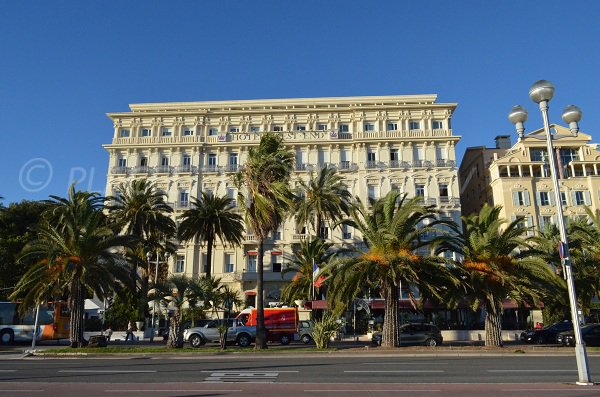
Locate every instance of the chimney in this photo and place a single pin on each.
(503, 142)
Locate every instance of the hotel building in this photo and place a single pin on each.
(377, 143)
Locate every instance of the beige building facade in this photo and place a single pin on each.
(378, 144)
(520, 180)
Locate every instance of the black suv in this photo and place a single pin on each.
(546, 334)
(415, 334)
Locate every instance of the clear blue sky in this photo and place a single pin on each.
(65, 64)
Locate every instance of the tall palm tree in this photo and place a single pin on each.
(393, 231)
(497, 265)
(142, 210)
(311, 251)
(210, 218)
(78, 253)
(264, 194)
(324, 196)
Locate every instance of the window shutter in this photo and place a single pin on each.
(551, 197)
(538, 198)
(573, 198)
(515, 198)
(587, 198)
(530, 225)
(554, 219)
(526, 197)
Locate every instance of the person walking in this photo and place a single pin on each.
(129, 332)
(108, 333)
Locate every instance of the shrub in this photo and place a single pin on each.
(324, 330)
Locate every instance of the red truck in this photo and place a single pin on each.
(281, 323)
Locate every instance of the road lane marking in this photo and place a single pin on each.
(242, 376)
(532, 370)
(172, 390)
(249, 372)
(565, 389)
(400, 371)
(405, 363)
(8, 370)
(104, 371)
(370, 391)
(20, 391)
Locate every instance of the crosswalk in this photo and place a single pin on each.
(243, 376)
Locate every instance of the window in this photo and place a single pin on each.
(234, 129)
(344, 128)
(346, 233)
(369, 127)
(443, 190)
(544, 221)
(184, 198)
(277, 128)
(538, 154)
(563, 198)
(187, 161)
(420, 190)
(373, 192)
(228, 268)
(581, 197)
(212, 161)
(521, 197)
(276, 263)
(231, 194)
(394, 155)
(122, 162)
(545, 198)
(123, 133)
(324, 231)
(167, 132)
(392, 126)
(144, 161)
(322, 127)
(567, 155)
(254, 128)
(251, 265)
(300, 127)
(179, 264)
(187, 131)
(233, 161)
(213, 131)
(146, 132)
(371, 157)
(436, 125)
(414, 125)
(164, 161)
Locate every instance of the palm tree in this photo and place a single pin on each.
(311, 251)
(211, 217)
(494, 269)
(393, 232)
(325, 196)
(78, 253)
(142, 210)
(264, 194)
(174, 294)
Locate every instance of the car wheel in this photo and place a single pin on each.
(243, 340)
(431, 342)
(306, 339)
(196, 341)
(7, 337)
(285, 339)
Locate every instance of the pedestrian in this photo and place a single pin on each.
(108, 333)
(129, 332)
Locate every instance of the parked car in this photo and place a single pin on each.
(590, 333)
(415, 334)
(305, 329)
(164, 331)
(236, 333)
(547, 334)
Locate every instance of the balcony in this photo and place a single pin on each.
(371, 164)
(142, 169)
(210, 168)
(118, 170)
(232, 168)
(182, 205)
(451, 201)
(250, 238)
(182, 169)
(302, 167)
(298, 237)
(445, 163)
(162, 169)
(347, 166)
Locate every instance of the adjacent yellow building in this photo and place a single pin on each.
(377, 143)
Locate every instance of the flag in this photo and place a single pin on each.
(320, 281)
(315, 270)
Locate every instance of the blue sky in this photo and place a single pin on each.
(65, 64)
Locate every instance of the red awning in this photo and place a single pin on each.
(319, 305)
(252, 252)
(250, 293)
(275, 252)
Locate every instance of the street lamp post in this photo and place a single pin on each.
(541, 92)
(149, 256)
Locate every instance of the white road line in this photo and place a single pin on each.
(8, 370)
(570, 389)
(172, 390)
(370, 391)
(405, 363)
(401, 371)
(531, 370)
(20, 391)
(233, 371)
(104, 371)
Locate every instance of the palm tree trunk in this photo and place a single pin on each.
(319, 220)
(493, 324)
(77, 314)
(209, 247)
(261, 332)
(391, 319)
(175, 333)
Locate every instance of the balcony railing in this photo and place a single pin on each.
(210, 168)
(302, 167)
(182, 204)
(119, 171)
(183, 168)
(142, 169)
(371, 164)
(232, 168)
(162, 169)
(299, 237)
(445, 163)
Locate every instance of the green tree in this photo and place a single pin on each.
(264, 194)
(393, 231)
(141, 209)
(210, 218)
(78, 252)
(18, 222)
(174, 294)
(311, 251)
(498, 265)
(323, 197)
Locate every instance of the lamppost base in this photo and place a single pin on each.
(585, 383)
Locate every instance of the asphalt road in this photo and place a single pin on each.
(297, 375)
